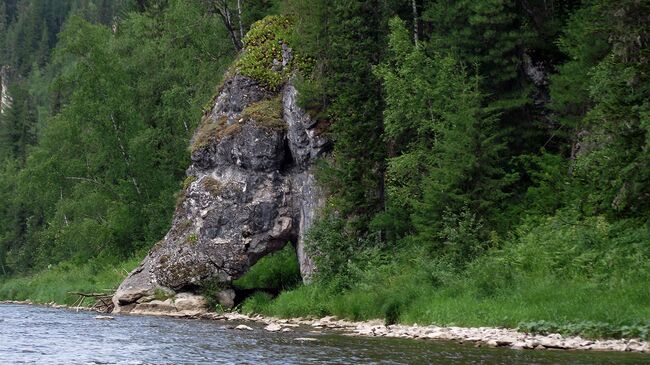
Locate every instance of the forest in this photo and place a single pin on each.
(490, 162)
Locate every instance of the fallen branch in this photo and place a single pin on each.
(103, 301)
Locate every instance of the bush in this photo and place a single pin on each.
(262, 47)
(553, 274)
(278, 270)
(461, 237)
(210, 289)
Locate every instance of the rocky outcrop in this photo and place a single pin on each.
(179, 305)
(250, 191)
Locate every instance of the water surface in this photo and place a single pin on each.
(37, 335)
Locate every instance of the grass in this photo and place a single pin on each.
(556, 302)
(53, 285)
(266, 113)
(588, 277)
(209, 132)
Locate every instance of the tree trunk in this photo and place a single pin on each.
(221, 8)
(241, 24)
(125, 156)
(416, 30)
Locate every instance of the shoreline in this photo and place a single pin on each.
(479, 336)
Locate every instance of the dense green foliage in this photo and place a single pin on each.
(489, 165)
(95, 144)
(585, 276)
(506, 181)
(278, 270)
(263, 44)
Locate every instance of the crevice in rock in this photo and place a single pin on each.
(287, 164)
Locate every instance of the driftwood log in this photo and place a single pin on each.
(103, 301)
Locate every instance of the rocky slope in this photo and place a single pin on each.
(250, 190)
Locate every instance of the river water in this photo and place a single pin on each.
(37, 335)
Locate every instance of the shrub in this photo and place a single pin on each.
(262, 55)
(210, 290)
(461, 236)
(278, 270)
(263, 46)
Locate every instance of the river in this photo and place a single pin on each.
(38, 335)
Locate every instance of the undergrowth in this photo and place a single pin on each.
(556, 274)
(276, 271)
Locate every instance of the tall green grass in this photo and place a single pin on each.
(54, 284)
(585, 276)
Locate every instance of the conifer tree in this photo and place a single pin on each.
(447, 153)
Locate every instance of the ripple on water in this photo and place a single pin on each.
(36, 335)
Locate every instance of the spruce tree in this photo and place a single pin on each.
(447, 159)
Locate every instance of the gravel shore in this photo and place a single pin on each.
(479, 336)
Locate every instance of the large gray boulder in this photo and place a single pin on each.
(250, 191)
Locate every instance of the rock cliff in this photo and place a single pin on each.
(250, 190)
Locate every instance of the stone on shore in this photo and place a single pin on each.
(273, 327)
(180, 305)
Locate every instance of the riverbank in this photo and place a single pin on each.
(479, 336)
(57, 283)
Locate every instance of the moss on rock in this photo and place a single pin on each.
(212, 185)
(210, 131)
(266, 113)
